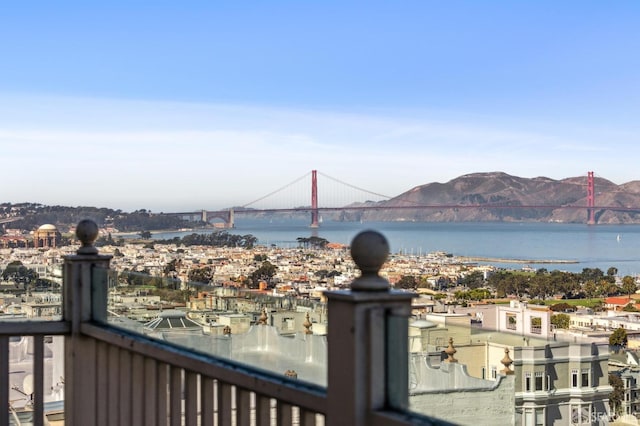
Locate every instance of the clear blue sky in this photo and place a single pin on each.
(171, 105)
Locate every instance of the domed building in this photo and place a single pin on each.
(47, 236)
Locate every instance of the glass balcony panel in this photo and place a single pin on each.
(31, 292)
(250, 327)
(34, 361)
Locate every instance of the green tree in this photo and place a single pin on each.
(590, 289)
(616, 395)
(562, 307)
(170, 268)
(203, 274)
(473, 280)
(630, 308)
(20, 274)
(560, 320)
(629, 285)
(541, 285)
(145, 235)
(265, 273)
(408, 282)
(618, 339)
(506, 283)
(591, 274)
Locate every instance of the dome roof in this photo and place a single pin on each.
(48, 227)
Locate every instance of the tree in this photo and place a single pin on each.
(562, 307)
(265, 273)
(629, 285)
(506, 283)
(615, 397)
(618, 339)
(201, 275)
(560, 320)
(408, 282)
(145, 235)
(473, 280)
(314, 242)
(541, 285)
(20, 274)
(590, 289)
(591, 274)
(170, 269)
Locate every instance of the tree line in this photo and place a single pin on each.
(213, 239)
(34, 215)
(541, 284)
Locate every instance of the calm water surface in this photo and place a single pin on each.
(599, 246)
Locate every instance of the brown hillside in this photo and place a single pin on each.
(508, 192)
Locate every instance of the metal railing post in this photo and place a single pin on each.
(367, 340)
(78, 307)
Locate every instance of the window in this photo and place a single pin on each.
(529, 417)
(511, 321)
(494, 372)
(548, 382)
(527, 382)
(575, 414)
(574, 378)
(539, 377)
(484, 373)
(585, 414)
(581, 414)
(585, 378)
(536, 325)
(540, 417)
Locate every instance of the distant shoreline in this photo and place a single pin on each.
(500, 260)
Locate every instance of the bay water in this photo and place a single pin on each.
(589, 246)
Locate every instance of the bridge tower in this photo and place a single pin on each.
(591, 199)
(314, 199)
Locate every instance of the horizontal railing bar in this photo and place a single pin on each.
(305, 395)
(394, 418)
(34, 328)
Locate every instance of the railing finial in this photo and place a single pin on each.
(87, 233)
(369, 250)
(450, 351)
(506, 361)
(307, 324)
(263, 317)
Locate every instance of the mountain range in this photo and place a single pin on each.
(498, 196)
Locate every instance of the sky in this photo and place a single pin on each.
(175, 106)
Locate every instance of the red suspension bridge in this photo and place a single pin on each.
(346, 202)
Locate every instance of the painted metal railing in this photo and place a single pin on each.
(115, 376)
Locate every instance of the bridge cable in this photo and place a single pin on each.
(353, 186)
(277, 190)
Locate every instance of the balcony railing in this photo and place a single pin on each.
(114, 376)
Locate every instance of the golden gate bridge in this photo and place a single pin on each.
(227, 216)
